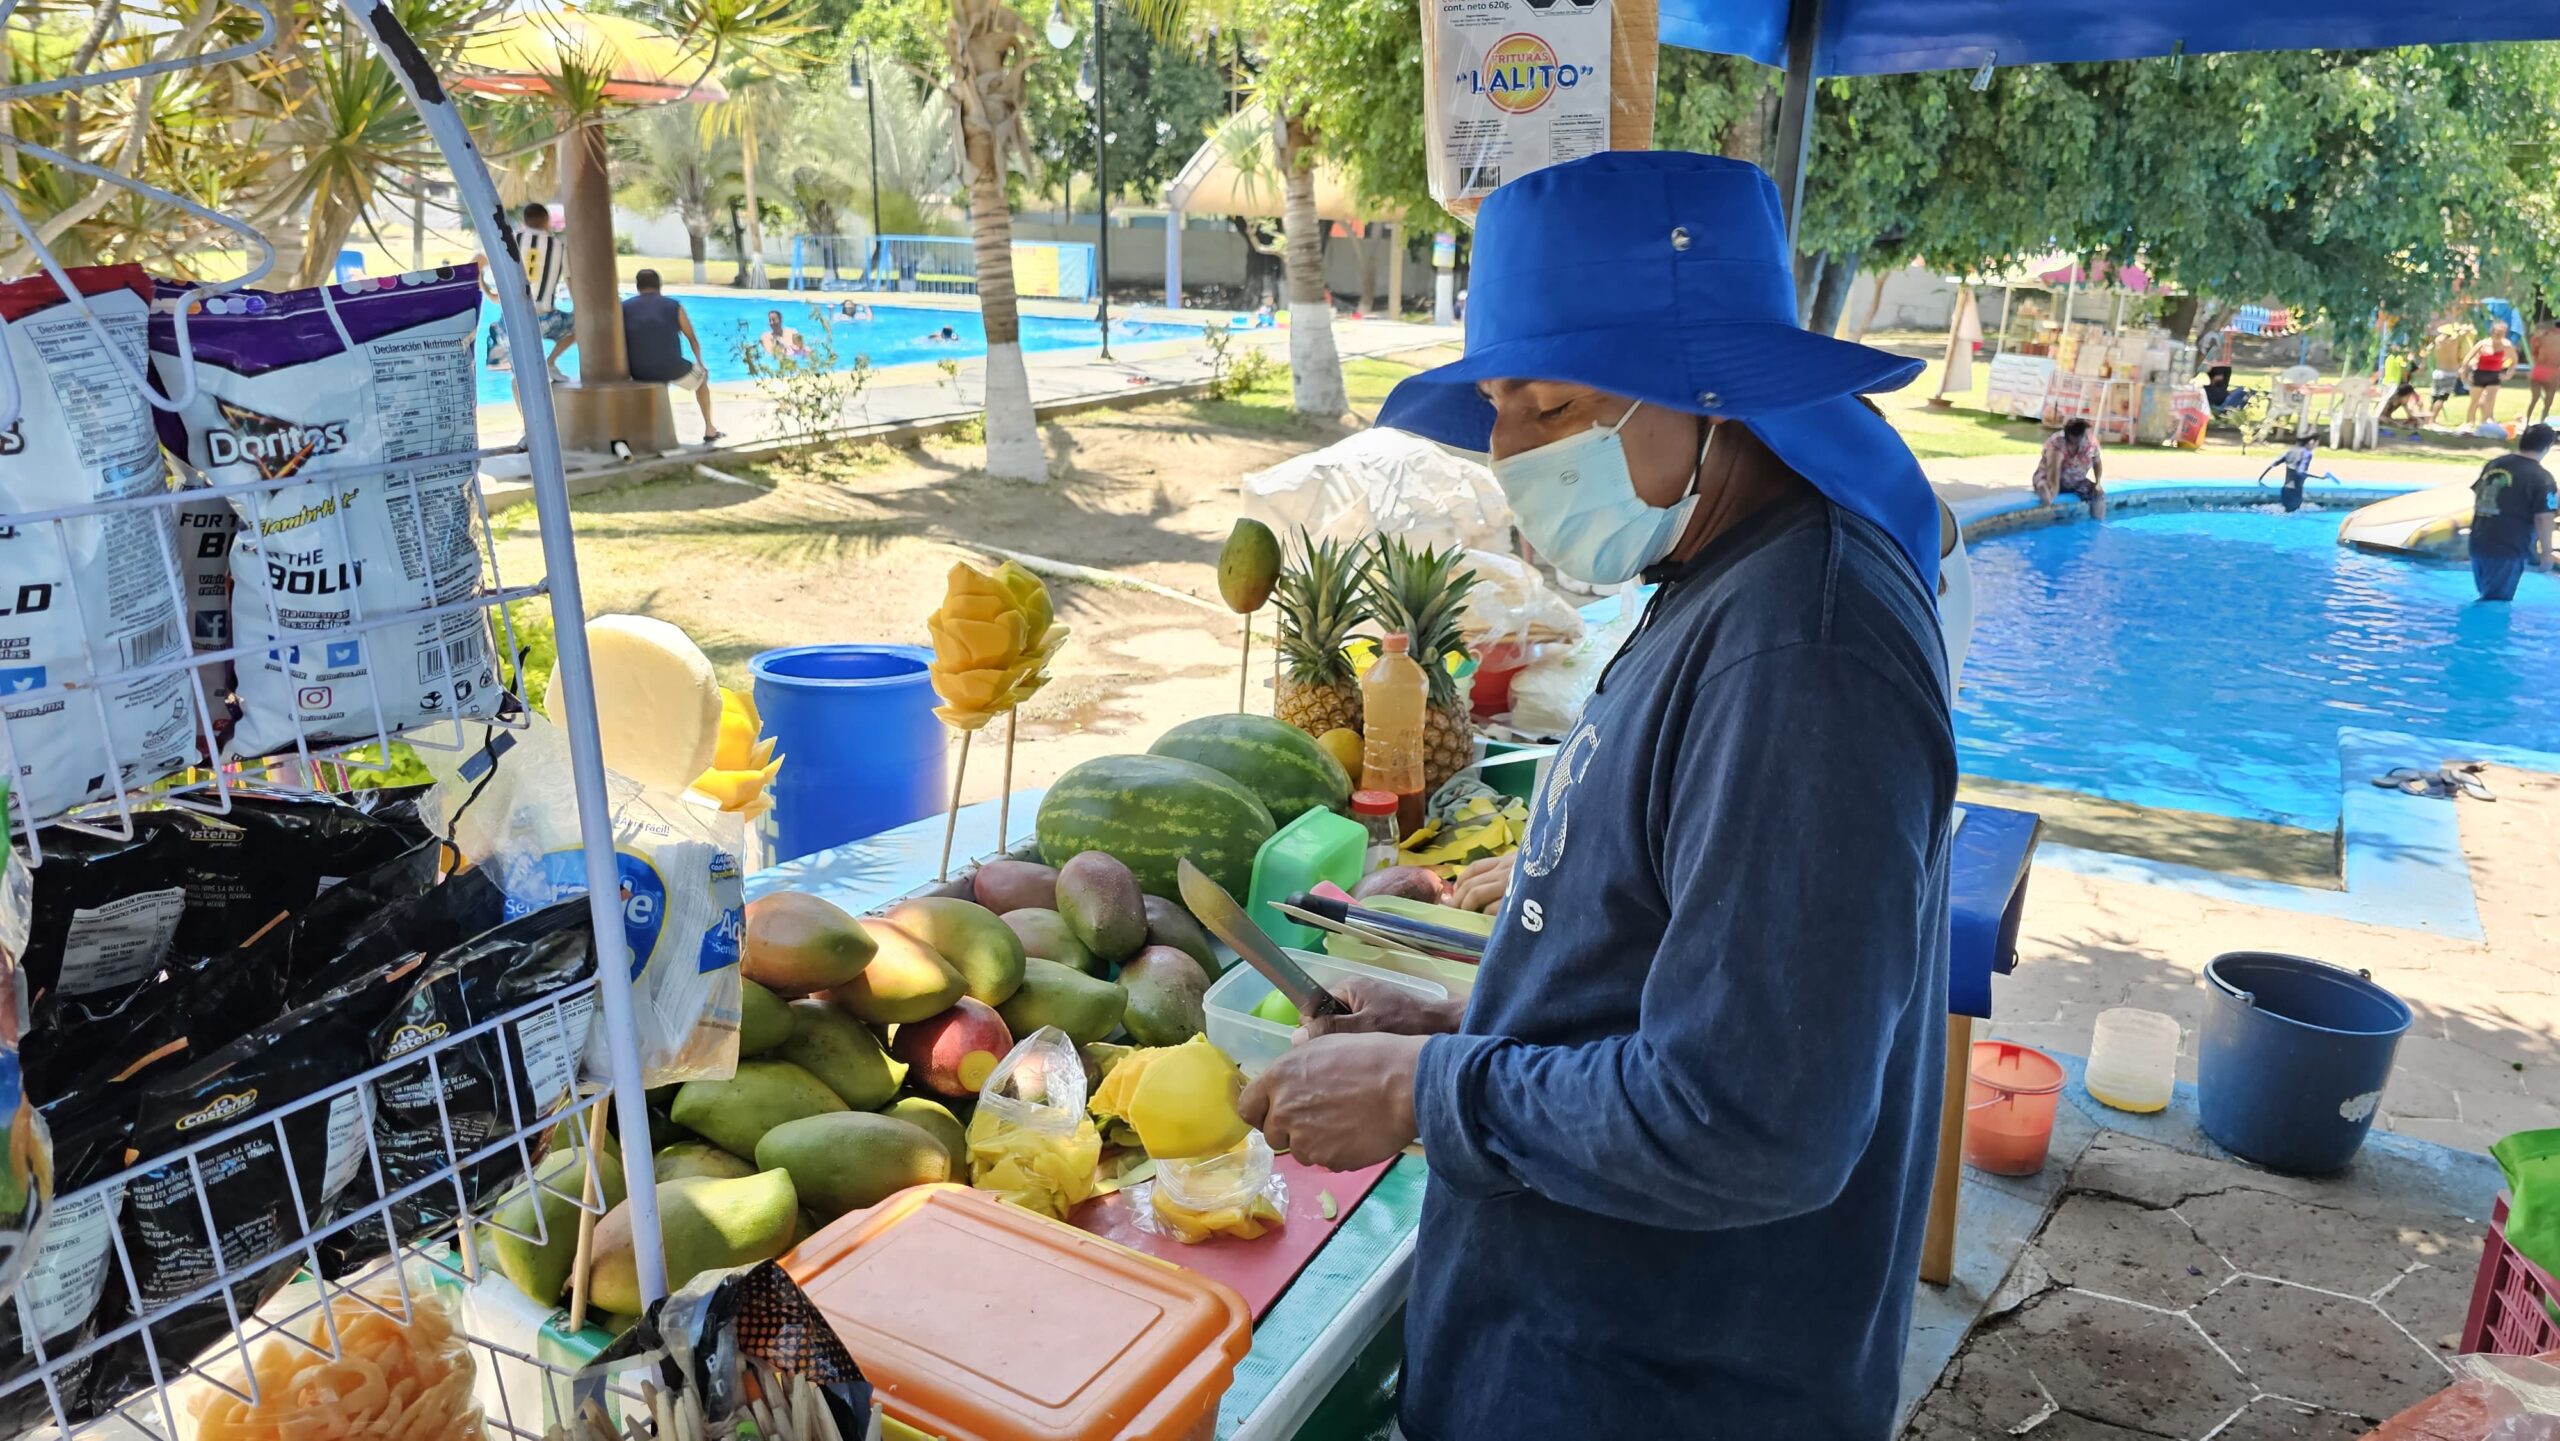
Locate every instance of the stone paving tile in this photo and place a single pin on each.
(2271, 1418)
(1986, 1391)
(2412, 1094)
(2318, 1348)
(2503, 1113)
(2125, 1365)
(2309, 1245)
(2461, 1135)
(2066, 1427)
(2432, 1302)
(2460, 1064)
(2098, 1243)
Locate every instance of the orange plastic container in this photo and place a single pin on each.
(978, 1321)
(2008, 1110)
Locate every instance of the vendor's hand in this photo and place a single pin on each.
(1483, 884)
(1381, 1009)
(1338, 1102)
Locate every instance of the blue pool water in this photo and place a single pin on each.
(2207, 660)
(895, 335)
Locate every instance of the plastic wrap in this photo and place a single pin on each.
(1029, 1139)
(1383, 483)
(1513, 603)
(2520, 1396)
(379, 1363)
(1548, 694)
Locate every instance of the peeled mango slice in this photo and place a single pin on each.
(1181, 1100)
(993, 638)
(657, 702)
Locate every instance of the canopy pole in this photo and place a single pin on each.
(1795, 108)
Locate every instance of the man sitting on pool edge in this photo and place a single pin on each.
(2512, 507)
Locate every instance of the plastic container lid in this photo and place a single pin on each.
(979, 1321)
(1373, 803)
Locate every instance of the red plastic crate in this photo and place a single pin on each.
(2511, 1301)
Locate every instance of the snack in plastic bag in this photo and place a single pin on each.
(73, 1260)
(1548, 694)
(511, 809)
(338, 380)
(26, 1157)
(1237, 1192)
(401, 1369)
(737, 1344)
(1512, 603)
(1029, 1140)
(95, 594)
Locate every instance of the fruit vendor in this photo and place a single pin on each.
(1681, 1139)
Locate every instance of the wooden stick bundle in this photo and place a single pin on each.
(781, 1408)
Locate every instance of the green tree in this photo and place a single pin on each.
(754, 40)
(1162, 99)
(666, 164)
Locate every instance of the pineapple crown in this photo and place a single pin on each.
(1423, 593)
(1322, 597)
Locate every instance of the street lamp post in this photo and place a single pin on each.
(871, 108)
(1062, 33)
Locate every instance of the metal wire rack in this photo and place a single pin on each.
(522, 1392)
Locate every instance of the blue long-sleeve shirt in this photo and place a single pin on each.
(1681, 1150)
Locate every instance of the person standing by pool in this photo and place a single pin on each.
(1682, 1135)
(2297, 463)
(2453, 344)
(2071, 465)
(2512, 504)
(2488, 364)
(655, 331)
(2545, 374)
(546, 270)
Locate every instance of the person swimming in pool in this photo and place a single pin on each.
(945, 336)
(856, 311)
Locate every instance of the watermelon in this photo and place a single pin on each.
(1151, 811)
(1271, 758)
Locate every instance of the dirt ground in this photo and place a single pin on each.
(843, 545)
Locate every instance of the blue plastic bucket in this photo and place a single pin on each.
(861, 750)
(2292, 1059)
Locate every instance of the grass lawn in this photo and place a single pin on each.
(1265, 407)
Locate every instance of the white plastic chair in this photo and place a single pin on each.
(2355, 414)
(2289, 409)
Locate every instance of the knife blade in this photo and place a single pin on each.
(1227, 921)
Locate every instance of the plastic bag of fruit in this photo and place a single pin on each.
(1029, 1140)
(1237, 1192)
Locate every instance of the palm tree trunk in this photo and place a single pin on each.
(1315, 367)
(700, 242)
(754, 265)
(1013, 429)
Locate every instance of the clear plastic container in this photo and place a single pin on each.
(2009, 1102)
(1317, 846)
(1392, 697)
(2133, 1059)
(1376, 812)
(1254, 1043)
(979, 1321)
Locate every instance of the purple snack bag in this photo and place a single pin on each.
(333, 381)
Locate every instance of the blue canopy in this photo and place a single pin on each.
(1881, 37)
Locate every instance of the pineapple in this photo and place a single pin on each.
(1322, 598)
(1424, 594)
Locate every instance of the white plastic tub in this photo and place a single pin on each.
(1254, 1043)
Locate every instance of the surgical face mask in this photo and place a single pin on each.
(1577, 504)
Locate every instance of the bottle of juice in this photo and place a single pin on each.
(1392, 697)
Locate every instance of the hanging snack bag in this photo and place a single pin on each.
(338, 381)
(89, 597)
(485, 1088)
(73, 1263)
(259, 1187)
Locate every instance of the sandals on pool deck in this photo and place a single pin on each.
(2447, 780)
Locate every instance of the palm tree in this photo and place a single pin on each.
(753, 38)
(1315, 366)
(988, 49)
(758, 104)
(668, 166)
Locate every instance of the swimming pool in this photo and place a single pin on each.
(2206, 660)
(895, 335)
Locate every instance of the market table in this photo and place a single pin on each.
(1356, 1282)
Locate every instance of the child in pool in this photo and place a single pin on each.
(2297, 471)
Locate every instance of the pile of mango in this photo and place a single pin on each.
(863, 1043)
(1460, 830)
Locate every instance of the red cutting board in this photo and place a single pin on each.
(1259, 1269)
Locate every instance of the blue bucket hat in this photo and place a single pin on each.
(1666, 277)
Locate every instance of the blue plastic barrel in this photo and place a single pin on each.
(2292, 1059)
(862, 752)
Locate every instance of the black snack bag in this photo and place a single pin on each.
(257, 1200)
(106, 911)
(75, 1266)
(271, 855)
(79, 1042)
(551, 950)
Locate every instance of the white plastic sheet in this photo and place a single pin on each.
(1382, 482)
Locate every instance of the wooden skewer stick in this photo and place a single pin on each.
(951, 822)
(1004, 802)
(588, 1190)
(1244, 667)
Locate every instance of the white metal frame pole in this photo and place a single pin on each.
(1795, 109)
(479, 203)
